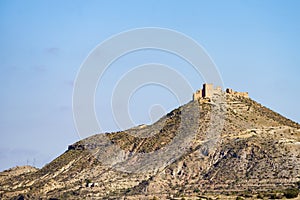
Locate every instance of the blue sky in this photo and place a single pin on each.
(255, 45)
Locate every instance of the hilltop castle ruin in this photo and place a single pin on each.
(208, 91)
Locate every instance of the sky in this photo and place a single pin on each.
(254, 44)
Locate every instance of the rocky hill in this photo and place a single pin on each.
(209, 148)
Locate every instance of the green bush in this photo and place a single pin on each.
(273, 196)
(298, 184)
(196, 190)
(260, 196)
(291, 193)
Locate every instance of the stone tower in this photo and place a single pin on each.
(208, 90)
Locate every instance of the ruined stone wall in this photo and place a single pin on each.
(241, 94)
(208, 90)
(197, 95)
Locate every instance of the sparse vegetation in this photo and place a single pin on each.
(298, 184)
(196, 190)
(252, 153)
(291, 193)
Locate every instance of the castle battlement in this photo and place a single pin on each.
(241, 94)
(208, 91)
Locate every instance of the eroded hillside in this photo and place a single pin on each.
(228, 146)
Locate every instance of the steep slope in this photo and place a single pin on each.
(220, 147)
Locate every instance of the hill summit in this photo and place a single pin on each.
(220, 143)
